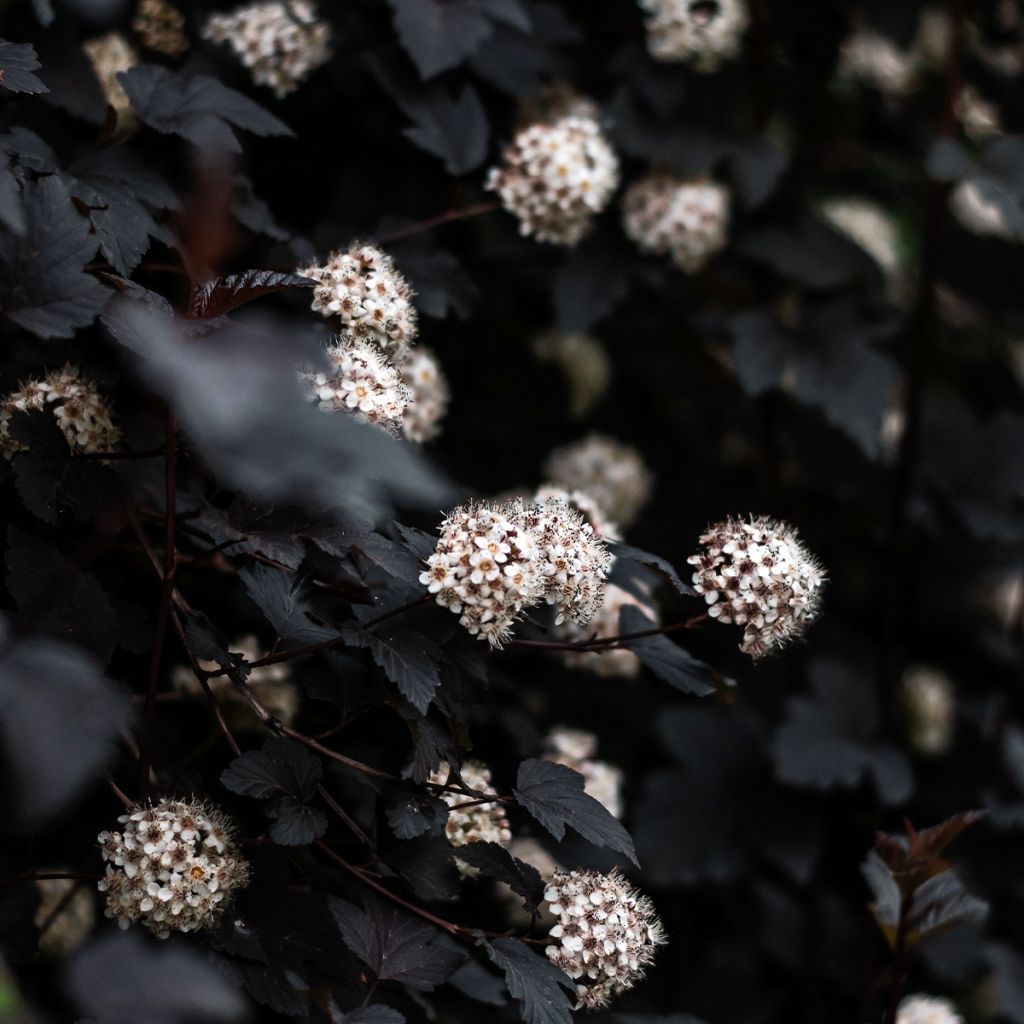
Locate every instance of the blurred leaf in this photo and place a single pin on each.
(17, 62)
(1008, 975)
(554, 795)
(757, 167)
(589, 284)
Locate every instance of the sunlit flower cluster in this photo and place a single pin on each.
(687, 220)
(281, 42)
(555, 177)
(174, 866)
(365, 291)
(608, 661)
(161, 27)
(475, 822)
(757, 574)
(920, 1009)
(585, 363)
(929, 706)
(428, 394)
(613, 474)
(492, 562)
(271, 684)
(65, 915)
(577, 749)
(702, 33)
(363, 382)
(81, 412)
(109, 55)
(606, 933)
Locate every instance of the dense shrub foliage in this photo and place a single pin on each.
(512, 510)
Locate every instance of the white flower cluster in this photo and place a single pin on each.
(109, 55)
(556, 177)
(493, 562)
(609, 661)
(585, 363)
(161, 27)
(364, 383)
(281, 42)
(606, 933)
(591, 511)
(272, 684)
(174, 867)
(363, 288)
(758, 574)
(872, 58)
(927, 1010)
(81, 413)
(428, 394)
(576, 749)
(978, 212)
(929, 704)
(702, 33)
(685, 220)
(479, 823)
(613, 474)
(868, 226)
(65, 915)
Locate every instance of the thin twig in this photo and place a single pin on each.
(441, 218)
(607, 642)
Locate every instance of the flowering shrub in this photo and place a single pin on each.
(372, 372)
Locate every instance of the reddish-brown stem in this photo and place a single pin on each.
(119, 793)
(441, 218)
(42, 875)
(148, 453)
(607, 642)
(166, 595)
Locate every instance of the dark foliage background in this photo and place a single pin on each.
(760, 385)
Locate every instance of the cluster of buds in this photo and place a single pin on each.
(494, 561)
(428, 394)
(173, 867)
(577, 749)
(608, 661)
(281, 42)
(555, 177)
(702, 33)
(81, 413)
(161, 27)
(272, 684)
(929, 707)
(363, 382)
(475, 822)
(758, 574)
(606, 933)
(687, 220)
(369, 296)
(920, 1009)
(612, 474)
(109, 55)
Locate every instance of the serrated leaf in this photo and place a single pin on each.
(196, 107)
(395, 945)
(417, 813)
(281, 598)
(18, 61)
(553, 794)
(407, 658)
(541, 989)
(223, 294)
(496, 862)
(656, 564)
(667, 660)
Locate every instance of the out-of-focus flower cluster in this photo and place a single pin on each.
(161, 27)
(585, 363)
(702, 33)
(758, 575)
(920, 1009)
(685, 220)
(281, 42)
(65, 916)
(81, 412)
(174, 866)
(109, 55)
(929, 707)
(428, 394)
(555, 177)
(474, 822)
(577, 749)
(605, 934)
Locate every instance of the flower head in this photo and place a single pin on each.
(363, 382)
(364, 290)
(605, 933)
(576, 749)
(109, 55)
(80, 411)
(872, 58)
(702, 33)
(687, 220)
(281, 42)
(555, 177)
(920, 1009)
(160, 26)
(613, 474)
(429, 394)
(758, 574)
(475, 822)
(174, 866)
